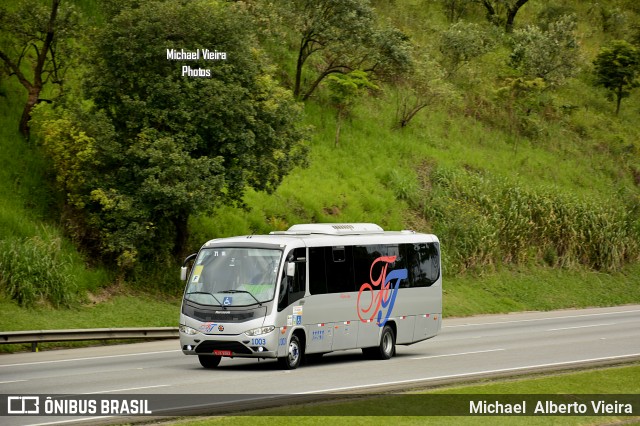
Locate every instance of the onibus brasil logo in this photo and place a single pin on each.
(380, 293)
(74, 405)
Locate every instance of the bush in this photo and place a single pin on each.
(33, 271)
(464, 42)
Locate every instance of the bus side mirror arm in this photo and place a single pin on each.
(183, 270)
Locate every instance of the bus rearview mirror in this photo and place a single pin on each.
(291, 269)
(183, 273)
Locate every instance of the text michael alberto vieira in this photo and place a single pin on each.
(195, 55)
(593, 407)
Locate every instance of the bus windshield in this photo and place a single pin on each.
(233, 276)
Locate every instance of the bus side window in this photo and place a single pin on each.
(339, 268)
(432, 262)
(331, 270)
(424, 264)
(293, 288)
(363, 258)
(317, 271)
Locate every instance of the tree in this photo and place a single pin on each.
(503, 12)
(345, 89)
(35, 34)
(168, 131)
(617, 67)
(461, 43)
(340, 36)
(520, 98)
(550, 54)
(425, 85)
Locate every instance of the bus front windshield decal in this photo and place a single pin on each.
(382, 292)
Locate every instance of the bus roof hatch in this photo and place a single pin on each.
(333, 229)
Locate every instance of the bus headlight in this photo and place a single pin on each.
(260, 330)
(188, 330)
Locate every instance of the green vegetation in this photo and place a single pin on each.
(491, 221)
(506, 148)
(538, 289)
(35, 271)
(617, 380)
(112, 308)
(616, 70)
(339, 37)
(150, 141)
(36, 43)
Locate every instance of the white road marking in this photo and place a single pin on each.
(580, 326)
(123, 390)
(461, 353)
(88, 358)
(541, 319)
(462, 375)
(84, 419)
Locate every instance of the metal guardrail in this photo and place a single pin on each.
(38, 336)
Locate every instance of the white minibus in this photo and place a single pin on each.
(310, 290)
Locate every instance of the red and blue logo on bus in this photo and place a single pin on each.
(381, 292)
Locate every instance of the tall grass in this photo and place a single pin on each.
(484, 221)
(34, 270)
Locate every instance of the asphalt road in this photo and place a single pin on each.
(466, 349)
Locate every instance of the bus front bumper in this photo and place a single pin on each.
(265, 346)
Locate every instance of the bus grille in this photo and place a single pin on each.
(234, 316)
(209, 346)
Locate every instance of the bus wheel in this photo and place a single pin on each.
(294, 355)
(387, 346)
(209, 361)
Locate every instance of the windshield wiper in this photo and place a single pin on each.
(204, 292)
(242, 291)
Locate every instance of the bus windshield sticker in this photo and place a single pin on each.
(381, 291)
(197, 271)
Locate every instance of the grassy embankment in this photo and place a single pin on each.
(331, 189)
(572, 162)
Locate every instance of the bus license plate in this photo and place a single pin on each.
(221, 353)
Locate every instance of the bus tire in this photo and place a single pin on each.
(209, 361)
(387, 347)
(294, 355)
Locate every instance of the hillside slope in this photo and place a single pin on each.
(535, 210)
